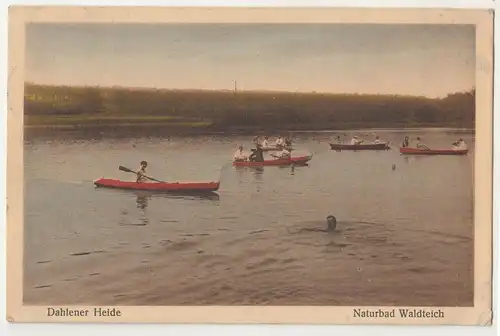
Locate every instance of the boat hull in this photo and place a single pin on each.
(156, 186)
(417, 151)
(279, 162)
(274, 149)
(380, 146)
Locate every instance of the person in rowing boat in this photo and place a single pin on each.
(257, 154)
(338, 139)
(420, 144)
(459, 145)
(356, 140)
(406, 142)
(141, 173)
(280, 142)
(377, 140)
(239, 155)
(265, 142)
(284, 154)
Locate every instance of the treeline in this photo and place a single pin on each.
(223, 109)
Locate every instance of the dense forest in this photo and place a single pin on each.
(222, 110)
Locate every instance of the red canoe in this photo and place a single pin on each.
(418, 151)
(278, 162)
(156, 186)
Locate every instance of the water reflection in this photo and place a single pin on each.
(142, 203)
(143, 196)
(257, 173)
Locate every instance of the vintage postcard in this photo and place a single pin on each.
(224, 165)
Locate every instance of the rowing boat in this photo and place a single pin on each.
(159, 186)
(278, 162)
(378, 146)
(419, 151)
(274, 149)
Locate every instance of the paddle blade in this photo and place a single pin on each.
(125, 169)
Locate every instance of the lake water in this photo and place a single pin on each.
(404, 236)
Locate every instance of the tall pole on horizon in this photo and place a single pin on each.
(235, 86)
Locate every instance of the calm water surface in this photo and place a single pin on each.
(404, 236)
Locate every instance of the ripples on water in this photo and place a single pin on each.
(404, 236)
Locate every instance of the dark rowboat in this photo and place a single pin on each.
(418, 151)
(379, 146)
(278, 162)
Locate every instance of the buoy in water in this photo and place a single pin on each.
(332, 222)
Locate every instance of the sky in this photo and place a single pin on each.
(422, 60)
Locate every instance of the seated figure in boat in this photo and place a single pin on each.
(377, 140)
(257, 154)
(338, 139)
(459, 145)
(141, 172)
(406, 142)
(265, 142)
(420, 144)
(284, 154)
(356, 140)
(280, 142)
(288, 142)
(240, 155)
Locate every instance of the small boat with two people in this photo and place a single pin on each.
(359, 144)
(280, 143)
(458, 148)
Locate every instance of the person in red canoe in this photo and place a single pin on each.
(141, 173)
(240, 155)
(257, 154)
(459, 145)
(406, 142)
(284, 154)
(420, 144)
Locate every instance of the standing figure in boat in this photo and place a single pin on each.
(406, 142)
(257, 154)
(239, 155)
(141, 172)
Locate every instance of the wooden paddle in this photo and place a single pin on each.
(125, 169)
